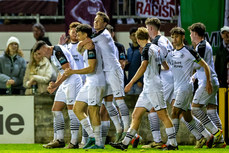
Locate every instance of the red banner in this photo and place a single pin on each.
(162, 9)
(43, 7)
(84, 11)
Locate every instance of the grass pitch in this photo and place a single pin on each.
(37, 148)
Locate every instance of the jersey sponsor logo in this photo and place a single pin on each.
(177, 64)
(91, 54)
(62, 60)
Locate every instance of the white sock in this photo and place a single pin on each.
(212, 113)
(205, 120)
(171, 136)
(155, 126)
(125, 114)
(74, 126)
(97, 134)
(59, 121)
(84, 136)
(129, 136)
(87, 126)
(54, 129)
(105, 128)
(114, 115)
(176, 124)
(191, 128)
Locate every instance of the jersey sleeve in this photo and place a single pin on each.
(145, 52)
(61, 57)
(195, 54)
(91, 54)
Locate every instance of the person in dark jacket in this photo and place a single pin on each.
(12, 68)
(134, 61)
(222, 58)
(39, 33)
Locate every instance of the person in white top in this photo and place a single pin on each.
(201, 98)
(113, 71)
(182, 61)
(68, 88)
(91, 94)
(152, 94)
(72, 45)
(153, 25)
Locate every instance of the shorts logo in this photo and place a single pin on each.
(70, 101)
(117, 93)
(178, 103)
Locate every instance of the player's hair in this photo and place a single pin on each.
(133, 30)
(177, 30)
(38, 45)
(199, 28)
(40, 27)
(110, 28)
(74, 25)
(154, 22)
(104, 16)
(142, 33)
(84, 28)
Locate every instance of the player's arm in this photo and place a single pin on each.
(141, 70)
(86, 70)
(65, 65)
(91, 65)
(165, 65)
(202, 63)
(53, 85)
(208, 75)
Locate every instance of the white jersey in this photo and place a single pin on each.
(152, 80)
(182, 65)
(97, 78)
(205, 51)
(164, 44)
(105, 44)
(72, 48)
(62, 56)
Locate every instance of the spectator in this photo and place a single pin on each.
(39, 33)
(12, 68)
(134, 61)
(222, 58)
(38, 74)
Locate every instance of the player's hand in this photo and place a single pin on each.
(89, 46)
(68, 72)
(50, 90)
(52, 85)
(209, 87)
(10, 82)
(63, 39)
(128, 87)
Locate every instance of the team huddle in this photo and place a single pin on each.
(91, 89)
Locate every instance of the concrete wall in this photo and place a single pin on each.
(44, 123)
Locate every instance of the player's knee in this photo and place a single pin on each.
(176, 112)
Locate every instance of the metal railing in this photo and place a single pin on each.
(123, 9)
